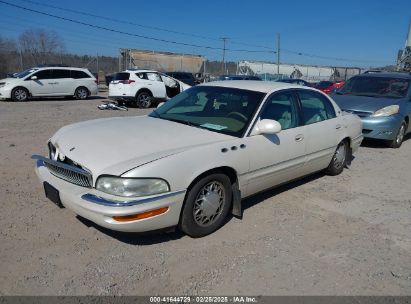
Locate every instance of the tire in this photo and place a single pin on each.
(144, 100)
(399, 137)
(206, 205)
(20, 94)
(81, 93)
(339, 160)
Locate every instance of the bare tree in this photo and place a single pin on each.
(40, 45)
(8, 56)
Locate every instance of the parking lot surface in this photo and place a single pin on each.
(343, 235)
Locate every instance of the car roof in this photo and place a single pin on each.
(385, 74)
(139, 71)
(253, 85)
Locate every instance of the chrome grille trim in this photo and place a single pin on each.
(66, 172)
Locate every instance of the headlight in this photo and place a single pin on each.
(387, 111)
(131, 186)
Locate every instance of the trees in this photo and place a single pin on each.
(39, 46)
(8, 53)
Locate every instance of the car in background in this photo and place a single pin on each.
(324, 85)
(143, 88)
(49, 81)
(295, 81)
(185, 77)
(334, 87)
(191, 161)
(382, 101)
(238, 77)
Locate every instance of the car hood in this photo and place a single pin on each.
(363, 103)
(116, 145)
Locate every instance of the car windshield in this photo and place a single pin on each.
(222, 110)
(24, 73)
(376, 87)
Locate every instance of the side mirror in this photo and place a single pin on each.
(160, 104)
(33, 77)
(266, 126)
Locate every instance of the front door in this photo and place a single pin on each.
(43, 85)
(280, 157)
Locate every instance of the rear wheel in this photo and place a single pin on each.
(20, 94)
(339, 159)
(206, 206)
(81, 93)
(399, 138)
(144, 100)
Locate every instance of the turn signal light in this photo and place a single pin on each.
(140, 216)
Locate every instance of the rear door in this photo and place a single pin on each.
(156, 85)
(323, 129)
(62, 82)
(277, 158)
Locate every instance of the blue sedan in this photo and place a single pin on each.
(382, 101)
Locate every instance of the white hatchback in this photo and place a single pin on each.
(144, 88)
(49, 82)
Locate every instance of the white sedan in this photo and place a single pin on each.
(199, 155)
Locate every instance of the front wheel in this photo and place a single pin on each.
(339, 159)
(206, 206)
(20, 94)
(399, 138)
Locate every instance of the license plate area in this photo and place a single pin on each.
(52, 194)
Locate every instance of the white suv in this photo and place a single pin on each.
(144, 88)
(49, 82)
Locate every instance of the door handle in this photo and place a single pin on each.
(338, 127)
(299, 137)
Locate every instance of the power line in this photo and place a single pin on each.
(329, 58)
(127, 33)
(140, 25)
(136, 24)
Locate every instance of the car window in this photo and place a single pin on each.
(153, 77)
(315, 107)
(222, 110)
(121, 76)
(79, 74)
(282, 108)
(60, 74)
(44, 74)
(376, 87)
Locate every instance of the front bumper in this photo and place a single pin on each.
(5, 92)
(384, 128)
(100, 208)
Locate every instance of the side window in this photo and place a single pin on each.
(282, 108)
(79, 74)
(44, 74)
(315, 107)
(142, 75)
(153, 77)
(60, 74)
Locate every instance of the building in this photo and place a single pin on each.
(404, 56)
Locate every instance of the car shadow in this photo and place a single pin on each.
(262, 196)
(379, 144)
(136, 238)
(57, 99)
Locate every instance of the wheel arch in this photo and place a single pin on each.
(82, 86)
(144, 90)
(233, 176)
(22, 87)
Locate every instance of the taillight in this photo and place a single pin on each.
(128, 81)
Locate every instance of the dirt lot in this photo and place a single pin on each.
(344, 235)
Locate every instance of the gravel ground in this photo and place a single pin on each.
(343, 235)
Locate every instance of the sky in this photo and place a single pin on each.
(340, 33)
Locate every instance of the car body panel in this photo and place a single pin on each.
(180, 153)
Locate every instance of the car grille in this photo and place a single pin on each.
(69, 173)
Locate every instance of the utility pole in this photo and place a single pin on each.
(278, 53)
(223, 65)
